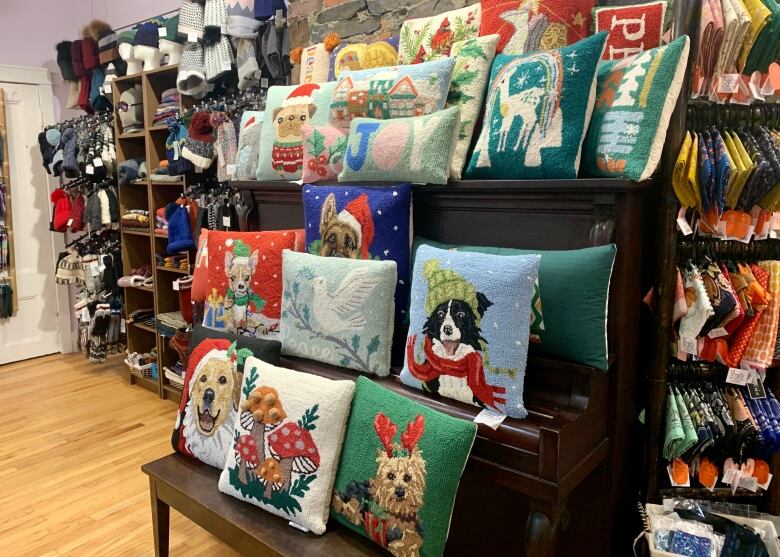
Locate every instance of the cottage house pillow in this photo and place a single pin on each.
(417, 149)
(636, 97)
(323, 152)
(399, 449)
(527, 26)
(393, 92)
(287, 443)
(362, 223)
(338, 311)
(245, 280)
(362, 56)
(287, 110)
(429, 38)
(537, 110)
(632, 29)
(473, 58)
(468, 327)
(315, 63)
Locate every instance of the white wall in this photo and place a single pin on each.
(121, 13)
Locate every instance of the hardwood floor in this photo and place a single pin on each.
(74, 437)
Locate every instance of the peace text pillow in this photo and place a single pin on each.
(323, 153)
(632, 29)
(399, 471)
(635, 99)
(339, 311)
(287, 110)
(537, 110)
(528, 26)
(286, 443)
(469, 320)
(362, 223)
(245, 280)
(429, 38)
(315, 62)
(393, 92)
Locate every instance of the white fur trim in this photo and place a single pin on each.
(349, 219)
(296, 101)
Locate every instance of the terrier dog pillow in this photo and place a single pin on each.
(469, 323)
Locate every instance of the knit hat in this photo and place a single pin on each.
(177, 164)
(107, 45)
(128, 171)
(241, 22)
(60, 211)
(77, 59)
(65, 60)
(199, 146)
(147, 35)
(179, 232)
(265, 9)
(191, 19)
(126, 37)
(191, 79)
(85, 84)
(70, 165)
(357, 215)
(248, 70)
(446, 284)
(99, 102)
(77, 213)
(214, 21)
(219, 60)
(90, 53)
(171, 30)
(131, 109)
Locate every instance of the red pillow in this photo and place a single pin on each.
(632, 29)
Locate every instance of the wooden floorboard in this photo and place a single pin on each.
(73, 439)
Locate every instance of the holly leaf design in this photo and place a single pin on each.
(472, 50)
(251, 380)
(316, 143)
(305, 312)
(309, 417)
(338, 149)
(373, 346)
(355, 343)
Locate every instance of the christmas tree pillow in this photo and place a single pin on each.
(245, 281)
(537, 110)
(362, 56)
(632, 29)
(323, 152)
(286, 443)
(473, 58)
(635, 99)
(338, 311)
(527, 26)
(429, 38)
(399, 471)
(287, 110)
(417, 149)
(315, 62)
(468, 327)
(362, 223)
(394, 92)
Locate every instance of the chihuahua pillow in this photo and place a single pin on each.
(469, 323)
(362, 223)
(338, 311)
(245, 281)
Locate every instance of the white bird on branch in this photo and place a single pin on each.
(340, 310)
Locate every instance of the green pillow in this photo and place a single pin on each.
(401, 457)
(288, 109)
(417, 149)
(538, 107)
(636, 97)
(574, 288)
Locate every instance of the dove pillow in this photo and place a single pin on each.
(338, 311)
(469, 320)
(286, 443)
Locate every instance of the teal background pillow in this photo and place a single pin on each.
(468, 327)
(538, 106)
(395, 443)
(417, 149)
(636, 97)
(574, 289)
(338, 311)
(288, 109)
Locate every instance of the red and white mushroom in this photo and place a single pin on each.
(261, 412)
(246, 456)
(295, 449)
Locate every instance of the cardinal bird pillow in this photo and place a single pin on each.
(338, 311)
(429, 38)
(245, 281)
(362, 223)
(469, 324)
(286, 443)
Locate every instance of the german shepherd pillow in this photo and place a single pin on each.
(469, 324)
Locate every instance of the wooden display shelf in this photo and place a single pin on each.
(145, 382)
(171, 392)
(141, 288)
(134, 232)
(159, 128)
(132, 135)
(144, 327)
(173, 270)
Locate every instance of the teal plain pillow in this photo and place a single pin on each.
(574, 287)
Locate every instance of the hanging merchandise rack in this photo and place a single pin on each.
(7, 266)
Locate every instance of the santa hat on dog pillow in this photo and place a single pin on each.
(303, 94)
(357, 215)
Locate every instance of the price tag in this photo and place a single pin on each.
(107, 88)
(97, 162)
(94, 268)
(684, 227)
(298, 526)
(750, 483)
(84, 317)
(226, 66)
(90, 169)
(756, 387)
(163, 32)
(490, 418)
(768, 481)
(755, 86)
(101, 267)
(122, 326)
(738, 376)
(264, 82)
(728, 83)
(176, 286)
(192, 37)
(226, 222)
(689, 345)
(231, 170)
(718, 333)
(767, 89)
(70, 223)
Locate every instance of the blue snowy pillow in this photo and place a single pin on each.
(469, 323)
(362, 223)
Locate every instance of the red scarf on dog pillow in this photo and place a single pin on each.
(245, 281)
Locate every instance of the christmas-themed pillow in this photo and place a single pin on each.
(200, 271)
(529, 26)
(537, 110)
(286, 443)
(323, 152)
(362, 56)
(632, 29)
(393, 92)
(263, 348)
(473, 58)
(315, 62)
(362, 223)
(400, 469)
(417, 149)
(429, 38)
(287, 110)
(249, 144)
(469, 320)
(245, 281)
(635, 99)
(338, 311)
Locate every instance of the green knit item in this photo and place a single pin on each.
(126, 37)
(240, 249)
(446, 284)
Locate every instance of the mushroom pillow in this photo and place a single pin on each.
(286, 443)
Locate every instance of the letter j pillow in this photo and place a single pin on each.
(469, 323)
